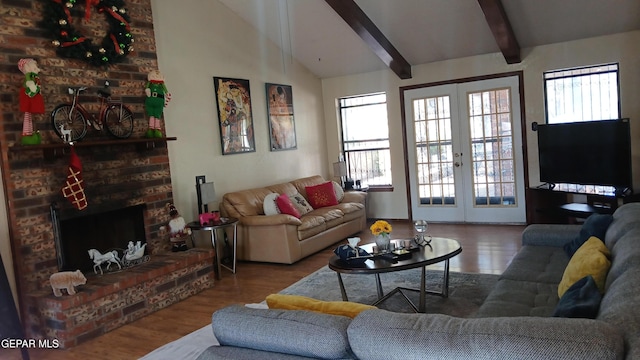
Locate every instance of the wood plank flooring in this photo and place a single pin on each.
(486, 249)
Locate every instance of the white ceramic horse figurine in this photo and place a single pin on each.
(99, 259)
(65, 133)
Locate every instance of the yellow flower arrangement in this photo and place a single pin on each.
(380, 227)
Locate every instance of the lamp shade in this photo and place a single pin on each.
(339, 168)
(208, 192)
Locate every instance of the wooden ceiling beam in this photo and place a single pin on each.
(353, 15)
(501, 28)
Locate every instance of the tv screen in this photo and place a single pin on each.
(587, 153)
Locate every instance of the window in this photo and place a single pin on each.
(582, 94)
(365, 138)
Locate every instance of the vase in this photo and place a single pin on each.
(382, 242)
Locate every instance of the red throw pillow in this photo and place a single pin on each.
(286, 206)
(321, 195)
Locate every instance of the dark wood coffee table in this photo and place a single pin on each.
(440, 249)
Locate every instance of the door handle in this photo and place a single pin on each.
(457, 155)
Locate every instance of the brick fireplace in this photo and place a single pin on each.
(116, 174)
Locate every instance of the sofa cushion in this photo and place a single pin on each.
(332, 216)
(592, 258)
(625, 220)
(311, 221)
(301, 184)
(296, 302)
(625, 256)
(238, 353)
(270, 205)
(312, 224)
(245, 203)
(595, 225)
(543, 264)
(350, 210)
(619, 307)
(286, 206)
(520, 298)
(581, 300)
(379, 334)
(283, 331)
(321, 195)
(300, 203)
(549, 234)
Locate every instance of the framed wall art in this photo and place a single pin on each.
(282, 127)
(235, 117)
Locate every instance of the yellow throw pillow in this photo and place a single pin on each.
(296, 302)
(592, 258)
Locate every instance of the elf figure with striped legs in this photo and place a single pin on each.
(31, 101)
(157, 98)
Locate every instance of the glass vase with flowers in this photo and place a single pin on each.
(382, 230)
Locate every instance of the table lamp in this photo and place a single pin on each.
(340, 169)
(206, 192)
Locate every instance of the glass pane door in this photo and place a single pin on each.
(492, 159)
(434, 151)
(464, 152)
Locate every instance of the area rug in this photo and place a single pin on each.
(466, 293)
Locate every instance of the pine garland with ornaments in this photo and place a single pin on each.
(58, 19)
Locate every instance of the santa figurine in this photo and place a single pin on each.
(31, 101)
(157, 98)
(178, 230)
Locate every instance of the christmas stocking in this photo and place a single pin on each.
(73, 188)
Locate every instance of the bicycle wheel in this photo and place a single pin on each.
(119, 121)
(61, 116)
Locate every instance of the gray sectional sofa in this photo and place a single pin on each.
(515, 322)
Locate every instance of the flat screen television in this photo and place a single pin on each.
(587, 153)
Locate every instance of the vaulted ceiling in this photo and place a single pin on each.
(343, 37)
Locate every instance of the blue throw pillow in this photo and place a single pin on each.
(595, 225)
(582, 300)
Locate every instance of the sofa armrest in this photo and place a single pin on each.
(297, 332)
(380, 334)
(264, 220)
(549, 234)
(355, 197)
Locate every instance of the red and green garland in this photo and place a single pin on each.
(58, 19)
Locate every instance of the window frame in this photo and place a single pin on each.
(575, 188)
(580, 68)
(341, 130)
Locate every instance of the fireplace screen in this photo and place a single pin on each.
(105, 232)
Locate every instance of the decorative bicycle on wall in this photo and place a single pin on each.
(70, 121)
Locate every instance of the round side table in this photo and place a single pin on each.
(212, 228)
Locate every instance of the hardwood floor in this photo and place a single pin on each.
(486, 249)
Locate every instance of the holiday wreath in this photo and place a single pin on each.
(71, 43)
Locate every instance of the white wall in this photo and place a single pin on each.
(197, 40)
(623, 48)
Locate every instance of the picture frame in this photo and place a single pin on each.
(235, 117)
(282, 126)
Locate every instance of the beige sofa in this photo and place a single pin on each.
(283, 238)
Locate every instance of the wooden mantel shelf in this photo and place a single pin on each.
(54, 150)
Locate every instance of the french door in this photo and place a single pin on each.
(465, 152)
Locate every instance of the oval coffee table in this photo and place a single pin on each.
(440, 249)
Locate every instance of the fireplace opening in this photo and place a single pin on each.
(104, 231)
